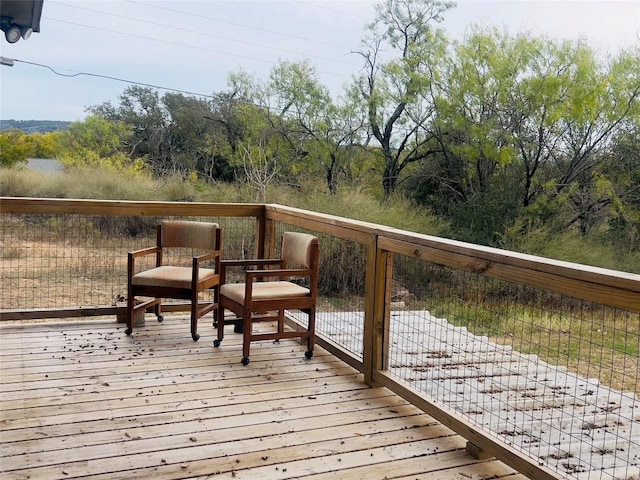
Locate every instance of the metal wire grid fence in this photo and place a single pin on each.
(341, 285)
(555, 377)
(68, 260)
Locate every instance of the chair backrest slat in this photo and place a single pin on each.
(178, 233)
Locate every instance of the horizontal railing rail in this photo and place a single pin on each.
(437, 321)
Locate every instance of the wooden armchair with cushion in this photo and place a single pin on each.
(174, 279)
(267, 292)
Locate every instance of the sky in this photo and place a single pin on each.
(192, 46)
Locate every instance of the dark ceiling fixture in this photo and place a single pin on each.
(20, 18)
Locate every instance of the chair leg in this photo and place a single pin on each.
(157, 309)
(246, 336)
(130, 305)
(311, 328)
(280, 321)
(194, 321)
(219, 313)
(216, 301)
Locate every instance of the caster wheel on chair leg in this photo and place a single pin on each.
(308, 354)
(195, 336)
(160, 318)
(129, 331)
(245, 361)
(216, 343)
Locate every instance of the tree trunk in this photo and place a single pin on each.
(332, 181)
(390, 179)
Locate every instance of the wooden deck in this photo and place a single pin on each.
(82, 400)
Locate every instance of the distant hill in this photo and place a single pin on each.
(35, 126)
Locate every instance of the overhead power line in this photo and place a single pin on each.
(10, 62)
(134, 35)
(211, 35)
(169, 42)
(236, 24)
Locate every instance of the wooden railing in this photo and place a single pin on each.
(382, 246)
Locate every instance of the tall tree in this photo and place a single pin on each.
(476, 78)
(174, 132)
(142, 109)
(605, 103)
(265, 117)
(529, 122)
(398, 92)
(14, 148)
(623, 169)
(195, 147)
(96, 142)
(327, 129)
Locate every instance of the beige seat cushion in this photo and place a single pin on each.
(263, 290)
(169, 276)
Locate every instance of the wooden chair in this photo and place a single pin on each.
(259, 301)
(177, 281)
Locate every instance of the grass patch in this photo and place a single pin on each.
(601, 342)
(94, 183)
(596, 249)
(11, 252)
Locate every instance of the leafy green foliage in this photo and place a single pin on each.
(496, 139)
(398, 95)
(16, 146)
(98, 143)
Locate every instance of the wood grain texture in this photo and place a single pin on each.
(83, 400)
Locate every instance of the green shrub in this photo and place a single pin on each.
(490, 221)
(359, 204)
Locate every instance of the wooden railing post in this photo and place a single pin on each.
(377, 312)
(270, 240)
(384, 306)
(265, 231)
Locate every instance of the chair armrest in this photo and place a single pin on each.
(255, 262)
(131, 259)
(144, 251)
(206, 256)
(245, 263)
(197, 260)
(281, 273)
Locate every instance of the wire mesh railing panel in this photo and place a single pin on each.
(65, 260)
(341, 285)
(555, 377)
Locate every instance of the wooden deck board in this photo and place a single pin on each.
(82, 400)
